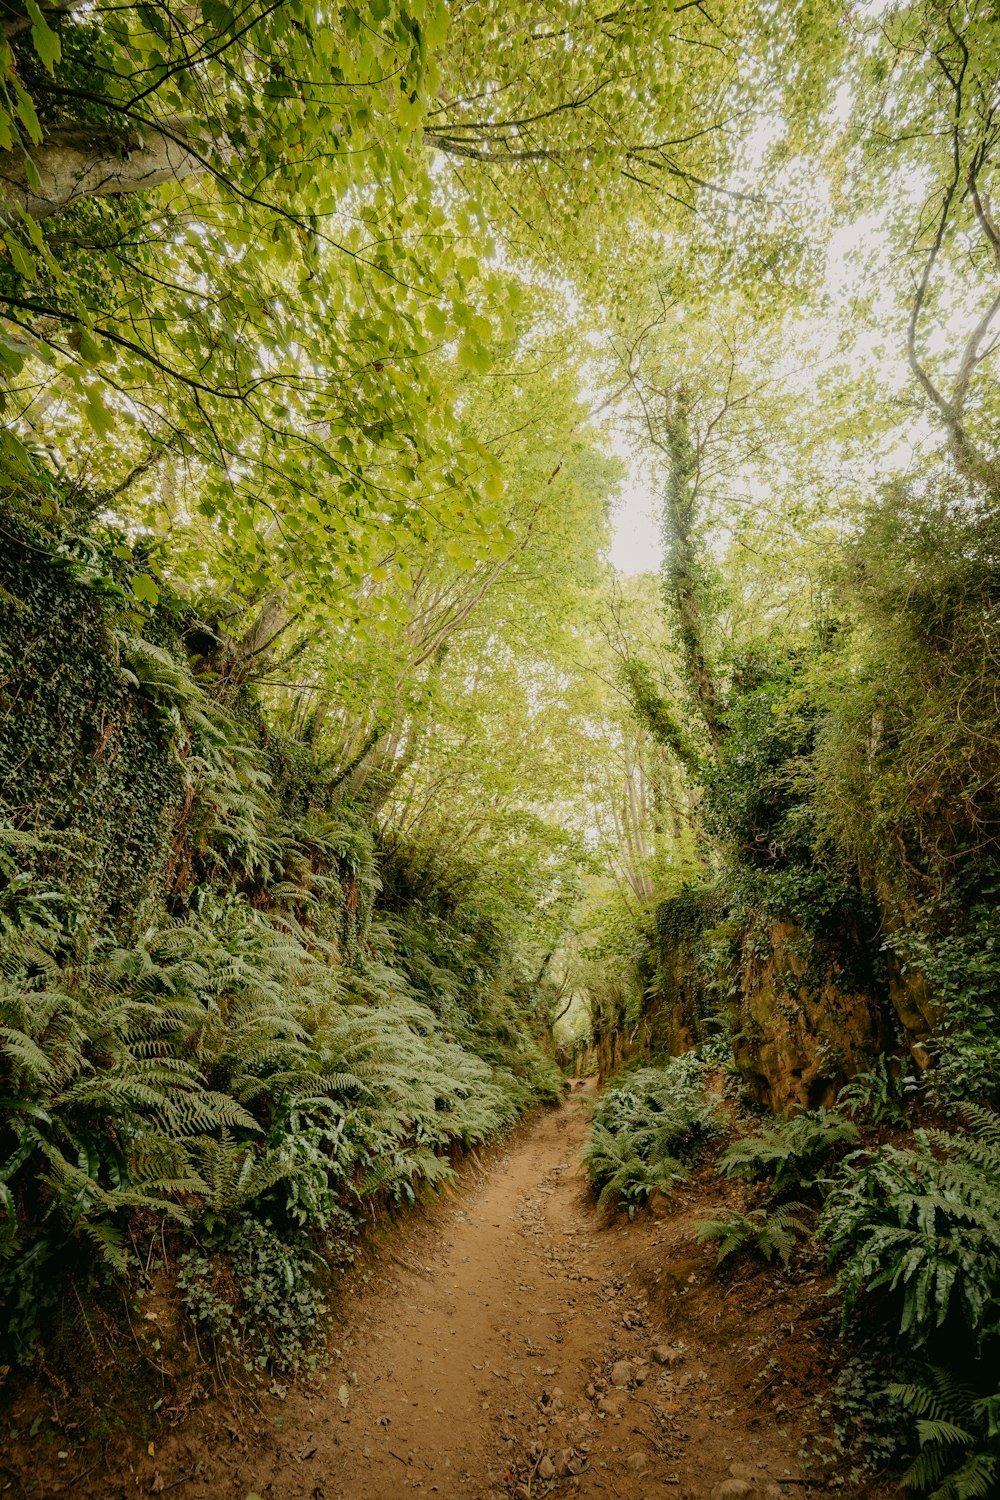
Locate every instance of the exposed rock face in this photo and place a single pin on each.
(813, 1009)
(806, 1027)
(614, 1040)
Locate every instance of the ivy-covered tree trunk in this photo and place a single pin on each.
(682, 586)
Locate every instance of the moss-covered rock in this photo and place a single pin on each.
(806, 1028)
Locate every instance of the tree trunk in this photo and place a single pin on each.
(234, 660)
(75, 162)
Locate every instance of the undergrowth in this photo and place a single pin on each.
(219, 1072)
(649, 1127)
(215, 1023)
(790, 1154)
(855, 802)
(913, 1232)
(786, 1157)
(758, 1231)
(958, 1428)
(920, 1227)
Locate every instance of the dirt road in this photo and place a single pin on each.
(502, 1350)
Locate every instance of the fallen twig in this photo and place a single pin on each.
(175, 1482)
(64, 1488)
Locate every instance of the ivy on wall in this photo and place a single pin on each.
(85, 753)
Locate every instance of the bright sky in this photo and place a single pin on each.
(635, 537)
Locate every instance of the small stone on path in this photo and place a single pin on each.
(612, 1405)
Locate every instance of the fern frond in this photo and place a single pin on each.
(758, 1232)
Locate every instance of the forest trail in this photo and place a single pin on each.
(480, 1361)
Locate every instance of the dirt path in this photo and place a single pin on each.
(513, 1348)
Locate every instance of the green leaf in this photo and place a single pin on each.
(473, 356)
(11, 357)
(436, 25)
(46, 41)
(24, 264)
(97, 413)
(26, 113)
(33, 229)
(90, 350)
(144, 588)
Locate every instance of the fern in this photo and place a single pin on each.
(983, 1123)
(923, 1224)
(229, 1065)
(622, 1174)
(649, 1127)
(767, 1233)
(877, 1095)
(790, 1152)
(959, 1435)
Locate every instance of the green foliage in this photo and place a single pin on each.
(959, 1433)
(264, 970)
(244, 104)
(921, 1225)
(218, 1069)
(649, 1128)
(256, 1295)
(756, 798)
(954, 943)
(629, 1167)
(694, 985)
(903, 763)
(259, 1052)
(759, 1231)
(870, 1426)
(373, 291)
(686, 914)
(760, 804)
(92, 718)
(663, 718)
(878, 1094)
(791, 1153)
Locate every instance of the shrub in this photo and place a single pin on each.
(626, 1171)
(220, 1069)
(955, 944)
(959, 1433)
(878, 1094)
(923, 1223)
